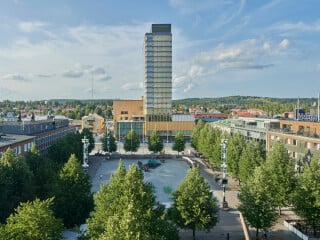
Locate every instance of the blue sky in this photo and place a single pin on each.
(64, 49)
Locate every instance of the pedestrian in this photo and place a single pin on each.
(265, 235)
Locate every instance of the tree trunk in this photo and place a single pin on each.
(257, 233)
(279, 210)
(193, 233)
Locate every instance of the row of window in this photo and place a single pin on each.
(151, 59)
(294, 142)
(162, 84)
(159, 64)
(158, 37)
(164, 48)
(158, 54)
(149, 69)
(18, 150)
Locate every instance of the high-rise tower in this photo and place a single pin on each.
(158, 73)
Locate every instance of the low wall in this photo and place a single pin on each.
(290, 225)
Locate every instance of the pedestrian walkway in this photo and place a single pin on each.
(277, 232)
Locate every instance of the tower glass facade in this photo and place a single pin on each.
(158, 73)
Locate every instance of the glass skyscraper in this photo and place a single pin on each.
(158, 73)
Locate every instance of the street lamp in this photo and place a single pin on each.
(108, 142)
(85, 142)
(224, 170)
(299, 165)
(309, 155)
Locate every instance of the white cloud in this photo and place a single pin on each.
(266, 46)
(15, 77)
(29, 27)
(195, 71)
(131, 86)
(104, 78)
(188, 88)
(284, 44)
(98, 70)
(73, 74)
(299, 26)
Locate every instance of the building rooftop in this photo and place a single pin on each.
(183, 118)
(8, 139)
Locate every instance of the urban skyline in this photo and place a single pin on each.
(59, 49)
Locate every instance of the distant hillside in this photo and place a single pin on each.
(275, 105)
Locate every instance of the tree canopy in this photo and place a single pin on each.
(34, 220)
(306, 198)
(112, 142)
(155, 143)
(179, 143)
(256, 201)
(194, 206)
(131, 141)
(280, 169)
(126, 209)
(16, 183)
(73, 194)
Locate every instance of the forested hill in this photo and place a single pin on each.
(264, 103)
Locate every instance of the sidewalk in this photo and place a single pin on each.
(277, 232)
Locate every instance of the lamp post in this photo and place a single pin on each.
(224, 171)
(309, 155)
(108, 142)
(85, 142)
(299, 165)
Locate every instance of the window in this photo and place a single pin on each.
(124, 112)
(308, 145)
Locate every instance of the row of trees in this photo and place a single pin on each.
(269, 182)
(132, 142)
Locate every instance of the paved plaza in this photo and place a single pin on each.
(169, 175)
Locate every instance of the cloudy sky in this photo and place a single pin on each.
(80, 49)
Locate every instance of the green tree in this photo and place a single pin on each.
(42, 171)
(216, 151)
(280, 168)
(106, 202)
(131, 141)
(155, 143)
(112, 142)
(194, 206)
(73, 194)
(306, 198)
(60, 151)
(235, 147)
(202, 144)
(109, 112)
(15, 183)
(34, 220)
(256, 201)
(249, 160)
(126, 209)
(89, 135)
(179, 143)
(196, 134)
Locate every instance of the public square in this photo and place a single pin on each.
(168, 175)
